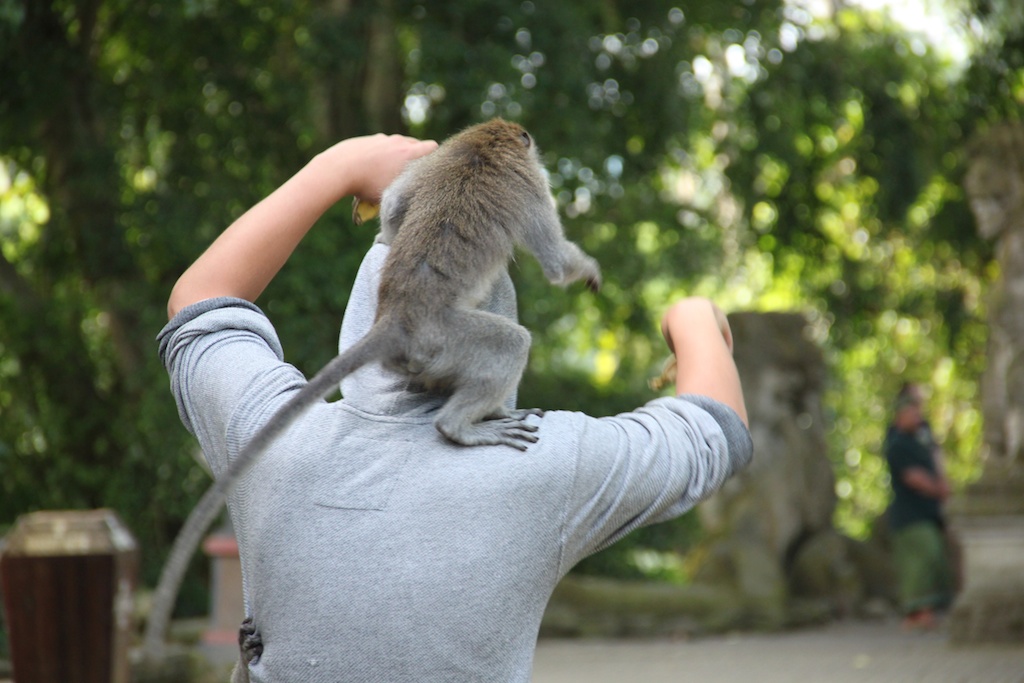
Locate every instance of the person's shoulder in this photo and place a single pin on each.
(209, 318)
(690, 408)
(900, 444)
(666, 419)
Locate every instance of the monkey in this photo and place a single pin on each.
(453, 220)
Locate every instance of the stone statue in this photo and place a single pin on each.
(995, 189)
(989, 514)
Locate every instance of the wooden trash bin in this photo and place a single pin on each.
(68, 584)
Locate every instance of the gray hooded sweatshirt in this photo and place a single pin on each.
(373, 549)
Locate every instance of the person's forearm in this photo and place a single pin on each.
(247, 256)
(699, 335)
(926, 483)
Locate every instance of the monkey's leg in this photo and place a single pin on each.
(487, 362)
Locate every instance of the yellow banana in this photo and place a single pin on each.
(364, 211)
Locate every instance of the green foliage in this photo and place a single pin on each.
(848, 157)
(744, 150)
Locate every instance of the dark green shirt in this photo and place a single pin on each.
(903, 451)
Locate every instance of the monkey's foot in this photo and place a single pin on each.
(501, 431)
(249, 641)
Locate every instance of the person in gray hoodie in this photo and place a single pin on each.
(372, 548)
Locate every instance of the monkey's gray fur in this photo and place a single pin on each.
(453, 219)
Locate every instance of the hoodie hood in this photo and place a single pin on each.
(379, 391)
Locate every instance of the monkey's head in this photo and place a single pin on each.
(501, 133)
(496, 143)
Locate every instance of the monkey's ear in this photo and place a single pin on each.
(525, 137)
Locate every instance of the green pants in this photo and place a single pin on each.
(919, 551)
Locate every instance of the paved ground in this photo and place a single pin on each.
(848, 652)
(854, 652)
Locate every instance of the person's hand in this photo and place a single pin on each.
(366, 165)
(689, 308)
(698, 334)
(926, 483)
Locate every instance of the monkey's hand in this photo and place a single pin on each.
(577, 265)
(585, 268)
(591, 275)
(249, 641)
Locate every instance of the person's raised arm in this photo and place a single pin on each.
(243, 260)
(698, 333)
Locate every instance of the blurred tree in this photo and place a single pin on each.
(847, 158)
(131, 133)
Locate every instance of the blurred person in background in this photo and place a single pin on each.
(920, 535)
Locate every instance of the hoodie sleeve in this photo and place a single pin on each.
(647, 466)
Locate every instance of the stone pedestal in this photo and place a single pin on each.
(991, 606)
(989, 521)
(993, 552)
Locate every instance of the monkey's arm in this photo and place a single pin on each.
(563, 261)
(247, 256)
(698, 334)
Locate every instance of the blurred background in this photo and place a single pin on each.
(805, 156)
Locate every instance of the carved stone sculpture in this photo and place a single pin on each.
(990, 513)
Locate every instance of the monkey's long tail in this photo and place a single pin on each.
(377, 343)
